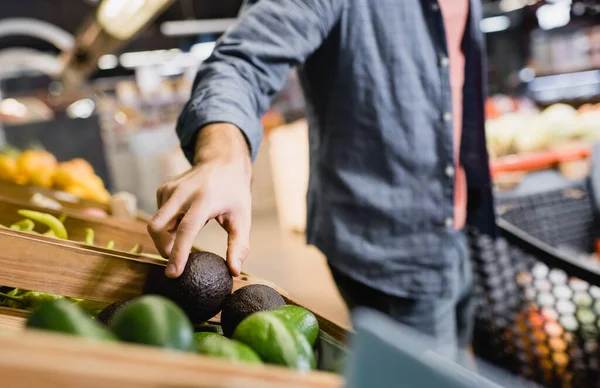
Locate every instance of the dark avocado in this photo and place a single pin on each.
(201, 289)
(106, 315)
(247, 301)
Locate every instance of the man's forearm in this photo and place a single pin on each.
(222, 142)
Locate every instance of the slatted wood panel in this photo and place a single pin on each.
(35, 359)
(67, 268)
(125, 234)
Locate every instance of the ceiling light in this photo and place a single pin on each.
(81, 109)
(108, 61)
(123, 18)
(511, 5)
(148, 58)
(201, 51)
(494, 24)
(12, 107)
(526, 74)
(196, 27)
(554, 15)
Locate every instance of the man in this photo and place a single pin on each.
(395, 93)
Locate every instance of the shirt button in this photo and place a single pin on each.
(447, 117)
(449, 222)
(435, 6)
(449, 171)
(444, 61)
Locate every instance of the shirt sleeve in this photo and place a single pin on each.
(250, 64)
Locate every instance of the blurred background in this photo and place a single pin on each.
(90, 92)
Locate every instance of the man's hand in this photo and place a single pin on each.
(218, 186)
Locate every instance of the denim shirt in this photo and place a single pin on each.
(380, 203)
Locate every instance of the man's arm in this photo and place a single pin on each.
(231, 92)
(251, 63)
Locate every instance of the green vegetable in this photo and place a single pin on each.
(110, 245)
(27, 299)
(89, 236)
(89, 306)
(301, 319)
(63, 218)
(62, 316)
(135, 249)
(25, 225)
(213, 344)
(208, 327)
(275, 341)
(56, 227)
(154, 320)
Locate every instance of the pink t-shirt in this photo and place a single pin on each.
(455, 14)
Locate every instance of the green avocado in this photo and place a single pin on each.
(62, 316)
(276, 341)
(213, 344)
(301, 319)
(245, 302)
(156, 321)
(201, 289)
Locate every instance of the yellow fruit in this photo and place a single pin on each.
(30, 161)
(74, 172)
(42, 177)
(102, 196)
(21, 179)
(98, 195)
(82, 166)
(8, 168)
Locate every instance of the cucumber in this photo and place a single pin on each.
(155, 321)
(213, 344)
(275, 341)
(301, 319)
(62, 316)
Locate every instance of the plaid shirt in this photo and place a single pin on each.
(375, 75)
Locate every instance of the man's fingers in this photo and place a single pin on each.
(164, 221)
(188, 229)
(238, 242)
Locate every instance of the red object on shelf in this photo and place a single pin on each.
(536, 161)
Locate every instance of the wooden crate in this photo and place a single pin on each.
(125, 234)
(11, 190)
(29, 358)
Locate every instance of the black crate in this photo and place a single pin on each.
(561, 218)
(538, 312)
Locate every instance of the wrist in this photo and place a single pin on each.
(221, 142)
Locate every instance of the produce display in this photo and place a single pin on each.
(530, 130)
(56, 229)
(29, 300)
(40, 168)
(269, 331)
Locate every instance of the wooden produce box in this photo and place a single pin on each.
(70, 204)
(125, 234)
(40, 359)
(12, 190)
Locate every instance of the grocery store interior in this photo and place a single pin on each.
(90, 93)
